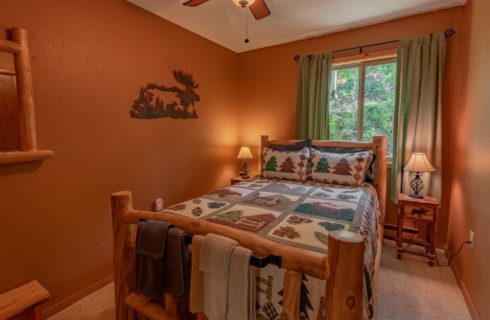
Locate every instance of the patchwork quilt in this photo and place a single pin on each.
(296, 214)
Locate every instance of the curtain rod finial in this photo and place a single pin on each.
(449, 32)
(296, 58)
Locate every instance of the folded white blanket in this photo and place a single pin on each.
(214, 263)
(227, 288)
(238, 285)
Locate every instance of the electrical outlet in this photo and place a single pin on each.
(471, 239)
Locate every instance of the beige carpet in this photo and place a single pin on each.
(408, 289)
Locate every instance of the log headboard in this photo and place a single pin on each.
(378, 145)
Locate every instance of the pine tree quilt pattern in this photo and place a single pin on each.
(340, 168)
(291, 165)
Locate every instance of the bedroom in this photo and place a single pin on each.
(89, 61)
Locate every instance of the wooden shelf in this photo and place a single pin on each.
(24, 156)
(29, 295)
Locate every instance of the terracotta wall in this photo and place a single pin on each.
(269, 81)
(89, 60)
(470, 201)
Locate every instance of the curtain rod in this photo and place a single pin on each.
(448, 33)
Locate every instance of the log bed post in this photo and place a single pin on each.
(344, 292)
(292, 293)
(264, 141)
(124, 240)
(379, 181)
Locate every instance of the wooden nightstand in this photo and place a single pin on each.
(238, 179)
(423, 210)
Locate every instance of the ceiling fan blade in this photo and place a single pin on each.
(259, 9)
(194, 3)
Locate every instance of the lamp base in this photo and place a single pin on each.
(244, 172)
(417, 185)
(416, 196)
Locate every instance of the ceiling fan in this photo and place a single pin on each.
(258, 7)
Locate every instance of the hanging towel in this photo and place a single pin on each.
(176, 269)
(251, 292)
(239, 285)
(150, 251)
(214, 263)
(197, 290)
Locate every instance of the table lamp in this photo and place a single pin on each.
(418, 163)
(244, 154)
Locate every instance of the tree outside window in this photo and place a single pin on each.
(362, 101)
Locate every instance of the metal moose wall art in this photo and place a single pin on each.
(151, 102)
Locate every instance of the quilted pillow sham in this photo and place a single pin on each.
(340, 168)
(290, 165)
(370, 170)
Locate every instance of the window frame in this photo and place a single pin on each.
(361, 65)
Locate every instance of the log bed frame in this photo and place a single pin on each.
(342, 267)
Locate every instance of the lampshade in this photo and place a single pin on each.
(418, 162)
(244, 153)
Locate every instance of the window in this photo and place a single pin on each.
(362, 101)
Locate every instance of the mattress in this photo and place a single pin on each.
(295, 214)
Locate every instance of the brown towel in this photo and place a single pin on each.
(197, 290)
(177, 261)
(150, 250)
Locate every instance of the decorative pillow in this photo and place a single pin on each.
(370, 171)
(290, 165)
(340, 168)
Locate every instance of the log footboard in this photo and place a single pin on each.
(342, 267)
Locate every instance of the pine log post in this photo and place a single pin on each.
(344, 293)
(124, 253)
(264, 141)
(27, 123)
(171, 307)
(292, 293)
(380, 171)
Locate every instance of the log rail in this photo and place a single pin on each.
(342, 267)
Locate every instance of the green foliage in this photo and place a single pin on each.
(379, 103)
(343, 104)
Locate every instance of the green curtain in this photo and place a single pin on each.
(312, 96)
(418, 112)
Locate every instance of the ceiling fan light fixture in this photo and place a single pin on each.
(243, 3)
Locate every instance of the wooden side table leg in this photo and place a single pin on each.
(433, 226)
(399, 231)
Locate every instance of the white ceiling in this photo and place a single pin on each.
(223, 22)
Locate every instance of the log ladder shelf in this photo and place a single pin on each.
(28, 152)
(342, 267)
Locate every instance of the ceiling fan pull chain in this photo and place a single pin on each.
(246, 26)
